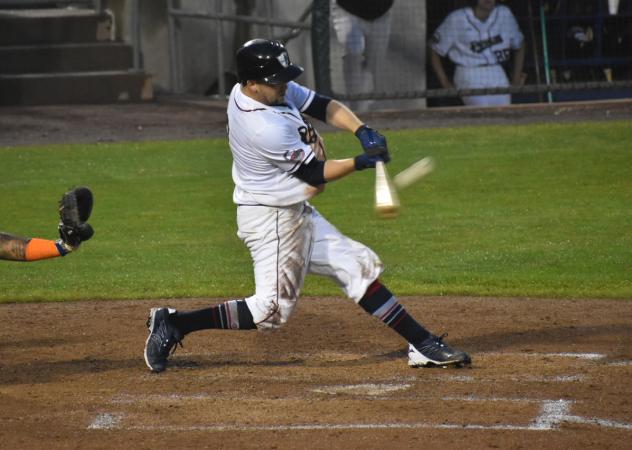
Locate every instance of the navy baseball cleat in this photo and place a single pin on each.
(432, 351)
(163, 337)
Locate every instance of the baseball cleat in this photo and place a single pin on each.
(433, 352)
(163, 337)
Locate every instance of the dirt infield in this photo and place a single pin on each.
(546, 373)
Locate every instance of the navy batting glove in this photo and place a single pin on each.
(372, 142)
(366, 161)
(375, 149)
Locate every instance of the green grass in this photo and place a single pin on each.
(538, 210)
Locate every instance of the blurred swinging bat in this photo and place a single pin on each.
(386, 201)
(413, 173)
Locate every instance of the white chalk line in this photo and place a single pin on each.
(553, 378)
(474, 398)
(369, 389)
(328, 427)
(576, 355)
(137, 398)
(527, 378)
(556, 412)
(553, 413)
(620, 363)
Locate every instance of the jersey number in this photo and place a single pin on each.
(307, 133)
(502, 55)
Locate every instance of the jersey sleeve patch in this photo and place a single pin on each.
(443, 38)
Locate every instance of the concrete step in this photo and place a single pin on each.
(53, 26)
(75, 87)
(65, 58)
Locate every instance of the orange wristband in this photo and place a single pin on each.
(41, 249)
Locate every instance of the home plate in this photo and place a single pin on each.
(362, 389)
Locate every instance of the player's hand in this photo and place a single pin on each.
(375, 148)
(72, 236)
(372, 142)
(75, 208)
(367, 161)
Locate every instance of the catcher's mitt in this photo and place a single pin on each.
(75, 207)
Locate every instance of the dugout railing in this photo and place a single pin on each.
(178, 10)
(97, 5)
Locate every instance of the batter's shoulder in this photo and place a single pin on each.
(275, 133)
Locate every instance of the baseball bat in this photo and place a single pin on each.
(386, 201)
(413, 173)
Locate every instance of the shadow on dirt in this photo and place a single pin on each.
(562, 336)
(49, 371)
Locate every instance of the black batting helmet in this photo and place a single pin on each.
(265, 61)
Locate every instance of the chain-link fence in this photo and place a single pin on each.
(401, 53)
(480, 52)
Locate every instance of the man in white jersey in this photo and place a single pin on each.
(279, 163)
(478, 40)
(363, 29)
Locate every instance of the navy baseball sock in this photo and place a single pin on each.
(230, 315)
(381, 303)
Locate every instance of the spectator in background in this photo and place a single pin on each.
(479, 40)
(363, 28)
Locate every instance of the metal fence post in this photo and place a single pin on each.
(135, 19)
(545, 50)
(221, 83)
(174, 84)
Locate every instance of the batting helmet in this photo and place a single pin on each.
(266, 61)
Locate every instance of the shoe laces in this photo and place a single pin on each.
(178, 342)
(168, 335)
(439, 339)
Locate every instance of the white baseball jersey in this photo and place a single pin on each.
(269, 143)
(469, 42)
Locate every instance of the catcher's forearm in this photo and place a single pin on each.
(15, 248)
(12, 247)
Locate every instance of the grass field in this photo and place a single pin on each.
(537, 210)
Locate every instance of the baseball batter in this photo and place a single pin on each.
(279, 164)
(479, 40)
